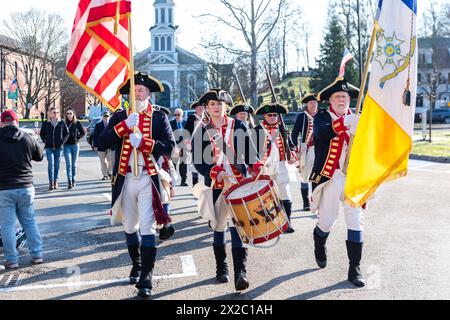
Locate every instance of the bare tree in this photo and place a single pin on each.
(255, 20)
(435, 21)
(39, 37)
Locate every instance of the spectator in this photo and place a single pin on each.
(106, 155)
(178, 127)
(17, 150)
(72, 146)
(54, 134)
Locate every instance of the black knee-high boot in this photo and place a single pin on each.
(287, 204)
(148, 256)
(240, 272)
(133, 251)
(194, 178)
(354, 252)
(305, 197)
(320, 250)
(221, 263)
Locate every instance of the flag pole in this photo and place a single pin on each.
(132, 92)
(361, 90)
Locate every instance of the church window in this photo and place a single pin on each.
(170, 16)
(191, 87)
(169, 43)
(156, 16)
(163, 43)
(156, 44)
(163, 15)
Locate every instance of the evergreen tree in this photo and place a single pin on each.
(331, 51)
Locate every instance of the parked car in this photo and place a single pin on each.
(90, 130)
(438, 116)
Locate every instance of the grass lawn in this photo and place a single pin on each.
(439, 147)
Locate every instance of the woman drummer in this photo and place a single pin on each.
(217, 134)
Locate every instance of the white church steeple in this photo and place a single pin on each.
(163, 33)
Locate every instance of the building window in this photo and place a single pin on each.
(37, 77)
(169, 43)
(163, 15)
(156, 44)
(428, 77)
(170, 16)
(156, 16)
(26, 74)
(419, 77)
(163, 43)
(191, 88)
(419, 101)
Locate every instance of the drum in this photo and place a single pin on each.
(256, 210)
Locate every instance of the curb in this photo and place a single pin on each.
(430, 158)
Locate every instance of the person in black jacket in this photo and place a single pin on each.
(17, 150)
(54, 134)
(106, 155)
(192, 123)
(72, 146)
(178, 130)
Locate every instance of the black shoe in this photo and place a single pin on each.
(69, 185)
(221, 264)
(144, 293)
(240, 273)
(289, 230)
(305, 197)
(184, 184)
(320, 251)
(354, 252)
(73, 184)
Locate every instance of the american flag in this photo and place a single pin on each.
(99, 54)
(346, 58)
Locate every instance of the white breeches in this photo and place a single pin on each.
(284, 190)
(308, 165)
(330, 204)
(137, 204)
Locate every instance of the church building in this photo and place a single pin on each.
(183, 74)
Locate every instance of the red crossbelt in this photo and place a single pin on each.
(99, 55)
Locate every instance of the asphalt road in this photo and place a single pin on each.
(407, 241)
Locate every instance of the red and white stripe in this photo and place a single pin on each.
(97, 58)
(346, 58)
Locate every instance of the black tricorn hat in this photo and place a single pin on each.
(162, 109)
(195, 105)
(154, 85)
(309, 97)
(216, 94)
(340, 84)
(166, 232)
(272, 108)
(239, 107)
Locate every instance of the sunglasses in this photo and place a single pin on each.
(272, 115)
(178, 115)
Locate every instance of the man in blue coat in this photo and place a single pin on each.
(136, 201)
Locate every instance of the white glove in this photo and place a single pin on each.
(132, 120)
(351, 122)
(135, 139)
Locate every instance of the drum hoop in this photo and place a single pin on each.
(250, 197)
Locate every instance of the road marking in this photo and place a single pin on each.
(187, 263)
(427, 170)
(107, 196)
(56, 197)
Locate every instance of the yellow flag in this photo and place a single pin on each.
(383, 139)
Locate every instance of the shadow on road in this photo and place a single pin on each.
(315, 293)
